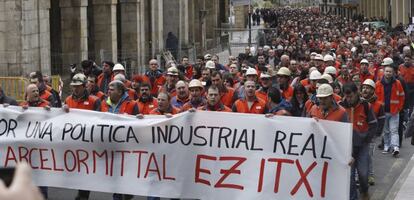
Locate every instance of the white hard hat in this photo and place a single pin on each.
(324, 90)
(387, 61)
(279, 47)
(195, 83)
(207, 57)
(265, 75)
(327, 77)
(172, 71)
(365, 42)
(210, 65)
(78, 79)
(353, 49)
(328, 58)
(318, 57)
(366, 29)
(369, 82)
(315, 75)
(284, 71)
(312, 69)
(330, 70)
(364, 61)
(120, 77)
(251, 71)
(118, 67)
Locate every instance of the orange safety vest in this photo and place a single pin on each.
(288, 93)
(100, 95)
(261, 95)
(310, 89)
(145, 108)
(227, 98)
(127, 107)
(132, 94)
(46, 95)
(100, 78)
(41, 103)
(358, 117)
(376, 107)
(85, 104)
(337, 113)
(217, 108)
(241, 106)
(397, 96)
(407, 73)
(158, 82)
(174, 111)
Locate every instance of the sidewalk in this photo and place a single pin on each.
(403, 188)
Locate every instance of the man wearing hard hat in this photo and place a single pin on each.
(196, 95)
(368, 95)
(327, 108)
(283, 79)
(364, 125)
(120, 69)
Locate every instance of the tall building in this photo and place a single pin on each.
(49, 35)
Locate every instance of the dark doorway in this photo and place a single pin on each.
(55, 38)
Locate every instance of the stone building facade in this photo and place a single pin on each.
(397, 11)
(49, 35)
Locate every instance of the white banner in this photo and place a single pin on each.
(201, 155)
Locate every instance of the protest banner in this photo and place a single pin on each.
(200, 155)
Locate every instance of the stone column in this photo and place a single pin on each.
(24, 37)
(44, 36)
(131, 31)
(405, 7)
(184, 29)
(211, 18)
(74, 31)
(157, 29)
(105, 35)
(394, 12)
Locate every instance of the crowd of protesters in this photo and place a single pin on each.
(315, 65)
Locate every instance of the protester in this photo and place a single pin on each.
(368, 95)
(390, 91)
(250, 103)
(213, 101)
(154, 77)
(364, 128)
(81, 99)
(164, 106)
(196, 96)
(106, 76)
(183, 95)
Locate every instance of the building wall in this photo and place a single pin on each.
(24, 37)
(128, 31)
(400, 10)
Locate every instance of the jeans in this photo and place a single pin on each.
(361, 156)
(390, 132)
(371, 158)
